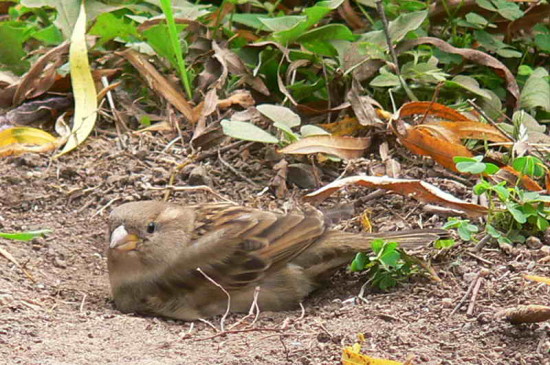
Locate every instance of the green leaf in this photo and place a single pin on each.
(529, 165)
(542, 41)
(397, 28)
(492, 44)
(13, 36)
(49, 35)
(280, 114)
(312, 130)
(441, 244)
(359, 262)
(516, 212)
(468, 83)
(25, 236)
(252, 20)
(536, 92)
(377, 245)
(471, 167)
(385, 80)
(108, 26)
(246, 131)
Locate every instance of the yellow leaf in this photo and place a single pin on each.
(17, 140)
(25, 135)
(85, 98)
(352, 356)
(540, 279)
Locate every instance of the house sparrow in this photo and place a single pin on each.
(156, 249)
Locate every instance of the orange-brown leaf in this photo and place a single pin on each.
(423, 142)
(422, 108)
(466, 130)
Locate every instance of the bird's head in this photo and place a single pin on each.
(146, 237)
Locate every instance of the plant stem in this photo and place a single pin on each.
(176, 46)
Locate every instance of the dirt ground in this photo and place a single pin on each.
(56, 307)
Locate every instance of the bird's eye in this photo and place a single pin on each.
(151, 227)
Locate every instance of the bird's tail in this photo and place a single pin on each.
(337, 248)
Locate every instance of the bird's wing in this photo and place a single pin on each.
(245, 243)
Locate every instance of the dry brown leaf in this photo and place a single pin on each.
(526, 314)
(159, 83)
(363, 105)
(417, 189)
(345, 127)
(343, 147)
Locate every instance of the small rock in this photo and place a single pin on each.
(60, 263)
(199, 176)
(545, 249)
(533, 242)
(469, 276)
(447, 303)
(6, 299)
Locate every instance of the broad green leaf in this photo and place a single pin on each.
(13, 36)
(251, 20)
(397, 28)
(468, 83)
(109, 26)
(508, 9)
(68, 11)
(312, 130)
(327, 32)
(529, 165)
(85, 97)
(50, 35)
(247, 132)
(385, 80)
(516, 211)
(280, 114)
(322, 40)
(536, 92)
(542, 41)
(492, 44)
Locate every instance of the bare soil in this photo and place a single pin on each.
(56, 308)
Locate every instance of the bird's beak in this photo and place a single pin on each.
(123, 241)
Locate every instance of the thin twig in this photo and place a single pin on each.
(100, 210)
(254, 310)
(463, 299)
(205, 188)
(482, 242)
(222, 321)
(8, 256)
(470, 310)
(489, 120)
(485, 261)
(82, 303)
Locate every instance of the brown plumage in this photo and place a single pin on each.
(155, 250)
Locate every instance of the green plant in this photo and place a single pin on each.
(25, 236)
(283, 119)
(513, 211)
(387, 267)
